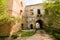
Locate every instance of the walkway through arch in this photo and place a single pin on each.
(40, 22)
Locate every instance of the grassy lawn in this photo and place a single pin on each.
(25, 33)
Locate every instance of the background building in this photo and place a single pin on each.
(35, 14)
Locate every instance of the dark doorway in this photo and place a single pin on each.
(31, 26)
(40, 23)
(22, 26)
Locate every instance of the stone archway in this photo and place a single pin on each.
(39, 24)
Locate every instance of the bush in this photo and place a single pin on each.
(53, 32)
(57, 36)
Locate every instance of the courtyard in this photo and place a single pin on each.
(28, 20)
(39, 35)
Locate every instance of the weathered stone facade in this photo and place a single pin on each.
(17, 11)
(34, 14)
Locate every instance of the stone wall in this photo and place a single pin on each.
(32, 18)
(14, 8)
(31, 12)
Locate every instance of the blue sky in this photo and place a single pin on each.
(30, 2)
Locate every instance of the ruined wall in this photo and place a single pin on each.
(14, 8)
(17, 11)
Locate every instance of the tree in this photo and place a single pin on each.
(53, 6)
(4, 18)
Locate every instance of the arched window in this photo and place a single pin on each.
(31, 26)
(20, 11)
(22, 26)
(38, 11)
(21, 4)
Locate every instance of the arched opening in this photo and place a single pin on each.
(21, 4)
(22, 26)
(31, 26)
(40, 24)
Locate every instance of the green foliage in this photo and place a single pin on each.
(53, 6)
(53, 32)
(15, 19)
(57, 36)
(3, 13)
(25, 33)
(4, 17)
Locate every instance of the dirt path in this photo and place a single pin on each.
(40, 35)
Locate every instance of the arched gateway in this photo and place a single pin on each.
(39, 24)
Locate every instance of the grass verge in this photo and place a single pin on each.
(25, 33)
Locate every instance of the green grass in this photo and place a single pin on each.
(25, 33)
(57, 36)
(55, 33)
